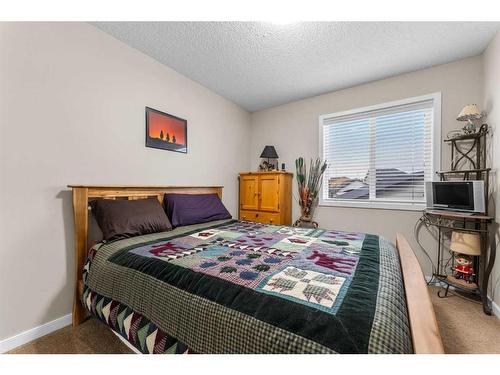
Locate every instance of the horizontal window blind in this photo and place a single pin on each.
(379, 155)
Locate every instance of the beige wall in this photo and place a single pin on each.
(293, 129)
(492, 108)
(72, 104)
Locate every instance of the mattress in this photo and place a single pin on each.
(242, 287)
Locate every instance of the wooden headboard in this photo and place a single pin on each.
(82, 194)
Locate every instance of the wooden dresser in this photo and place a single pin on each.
(266, 197)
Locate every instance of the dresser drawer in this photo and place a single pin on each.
(249, 215)
(268, 218)
(260, 217)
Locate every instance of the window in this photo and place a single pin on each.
(380, 156)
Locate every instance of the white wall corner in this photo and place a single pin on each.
(34, 333)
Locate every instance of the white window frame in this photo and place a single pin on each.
(435, 153)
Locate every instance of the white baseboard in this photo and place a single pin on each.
(495, 308)
(34, 333)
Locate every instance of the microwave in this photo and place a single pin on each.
(464, 196)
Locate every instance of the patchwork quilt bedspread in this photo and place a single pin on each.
(243, 287)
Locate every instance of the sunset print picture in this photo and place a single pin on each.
(165, 131)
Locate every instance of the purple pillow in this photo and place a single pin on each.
(186, 209)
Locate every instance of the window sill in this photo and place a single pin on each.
(400, 206)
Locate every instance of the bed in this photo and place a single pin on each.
(232, 286)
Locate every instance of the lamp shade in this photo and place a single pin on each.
(269, 152)
(469, 112)
(466, 243)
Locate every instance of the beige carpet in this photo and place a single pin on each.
(91, 337)
(464, 329)
(463, 325)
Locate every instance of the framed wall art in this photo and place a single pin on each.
(165, 131)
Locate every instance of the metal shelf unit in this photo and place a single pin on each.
(444, 221)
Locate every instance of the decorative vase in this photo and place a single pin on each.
(307, 214)
(308, 188)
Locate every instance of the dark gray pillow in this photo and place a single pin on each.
(186, 209)
(123, 218)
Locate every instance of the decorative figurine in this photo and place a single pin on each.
(469, 128)
(463, 269)
(266, 166)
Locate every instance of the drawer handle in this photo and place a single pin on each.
(256, 215)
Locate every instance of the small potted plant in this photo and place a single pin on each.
(308, 187)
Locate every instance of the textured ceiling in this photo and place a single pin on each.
(260, 65)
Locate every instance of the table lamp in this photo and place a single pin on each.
(269, 152)
(466, 243)
(468, 113)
